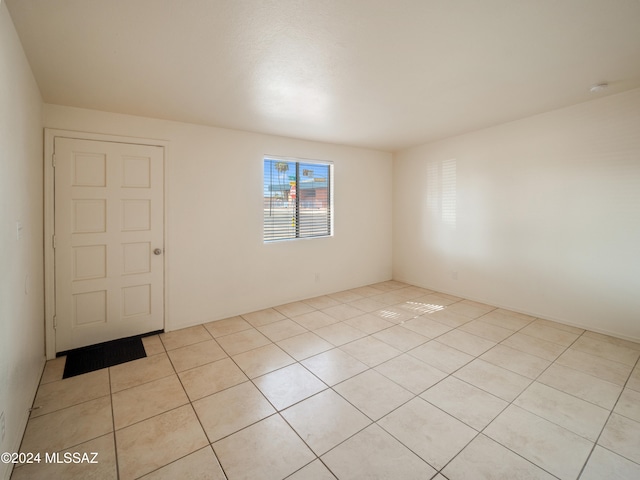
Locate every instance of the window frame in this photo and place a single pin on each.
(299, 162)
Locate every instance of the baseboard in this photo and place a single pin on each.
(14, 445)
(532, 314)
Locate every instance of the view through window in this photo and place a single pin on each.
(297, 199)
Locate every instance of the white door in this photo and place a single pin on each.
(109, 231)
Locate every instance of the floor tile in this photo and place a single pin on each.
(243, 341)
(137, 372)
(634, 379)
(153, 345)
(227, 326)
(147, 400)
(394, 314)
(559, 326)
(426, 327)
(439, 299)
(613, 340)
(629, 404)
(276, 451)
(367, 305)
(373, 394)
(325, 420)
(428, 431)
(53, 370)
(581, 385)
(550, 334)
(416, 307)
(608, 370)
(334, 366)
(519, 362)
(289, 385)
(410, 292)
(262, 360)
(373, 453)
(231, 410)
(263, 317)
(371, 351)
(295, 308)
(71, 391)
(578, 416)
(470, 308)
(70, 426)
(201, 465)
(534, 346)
(552, 448)
(339, 333)
(304, 346)
(345, 296)
(390, 298)
(330, 384)
(604, 464)
(281, 329)
(449, 318)
(211, 378)
(502, 319)
(105, 467)
(616, 353)
(315, 320)
(321, 302)
(466, 342)
(367, 291)
(184, 337)
(486, 330)
(441, 356)
(484, 459)
(512, 313)
(495, 380)
(401, 338)
(622, 436)
(369, 323)
(195, 355)
(158, 441)
(314, 471)
(389, 285)
(410, 373)
(465, 402)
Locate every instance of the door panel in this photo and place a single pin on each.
(109, 219)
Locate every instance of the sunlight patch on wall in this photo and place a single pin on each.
(442, 190)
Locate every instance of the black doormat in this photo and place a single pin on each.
(88, 359)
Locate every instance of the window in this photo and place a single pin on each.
(297, 199)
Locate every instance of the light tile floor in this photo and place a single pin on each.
(384, 381)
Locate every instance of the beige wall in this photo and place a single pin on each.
(217, 264)
(21, 262)
(543, 215)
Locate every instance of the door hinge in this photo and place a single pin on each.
(55, 322)
(53, 241)
(53, 160)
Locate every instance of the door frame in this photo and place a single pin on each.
(50, 135)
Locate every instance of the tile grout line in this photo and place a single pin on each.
(604, 426)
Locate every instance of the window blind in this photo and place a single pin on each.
(297, 199)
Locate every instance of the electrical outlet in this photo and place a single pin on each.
(2, 427)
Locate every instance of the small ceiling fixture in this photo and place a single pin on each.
(598, 87)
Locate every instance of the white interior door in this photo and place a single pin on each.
(109, 231)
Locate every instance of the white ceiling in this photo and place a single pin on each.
(384, 74)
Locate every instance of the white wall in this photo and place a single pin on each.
(543, 215)
(21, 262)
(218, 265)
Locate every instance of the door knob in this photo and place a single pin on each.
(157, 251)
